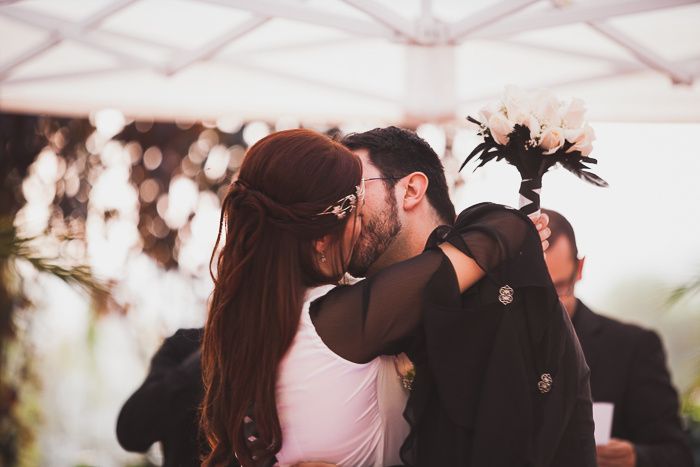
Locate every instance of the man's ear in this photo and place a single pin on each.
(579, 269)
(416, 187)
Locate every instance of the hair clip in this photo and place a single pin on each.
(345, 205)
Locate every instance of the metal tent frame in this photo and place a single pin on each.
(429, 40)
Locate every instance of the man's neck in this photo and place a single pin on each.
(571, 305)
(409, 243)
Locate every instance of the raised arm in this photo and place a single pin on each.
(377, 316)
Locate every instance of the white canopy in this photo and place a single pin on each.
(335, 61)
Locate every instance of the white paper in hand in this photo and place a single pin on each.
(602, 417)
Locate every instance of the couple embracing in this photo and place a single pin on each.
(298, 363)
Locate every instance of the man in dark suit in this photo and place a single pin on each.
(165, 407)
(628, 368)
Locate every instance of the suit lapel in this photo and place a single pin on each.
(588, 326)
(585, 321)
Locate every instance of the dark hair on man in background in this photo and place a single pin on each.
(397, 152)
(561, 227)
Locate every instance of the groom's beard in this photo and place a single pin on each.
(377, 234)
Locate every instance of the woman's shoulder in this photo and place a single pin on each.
(314, 293)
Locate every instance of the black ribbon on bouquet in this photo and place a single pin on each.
(529, 189)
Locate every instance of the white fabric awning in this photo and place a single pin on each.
(337, 61)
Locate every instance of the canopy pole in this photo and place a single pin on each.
(431, 87)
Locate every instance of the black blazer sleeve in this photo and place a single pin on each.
(651, 408)
(169, 396)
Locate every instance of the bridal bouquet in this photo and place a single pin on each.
(534, 131)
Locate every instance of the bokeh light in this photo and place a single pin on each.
(229, 124)
(217, 162)
(108, 122)
(152, 158)
(254, 132)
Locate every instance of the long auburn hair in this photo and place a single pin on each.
(269, 221)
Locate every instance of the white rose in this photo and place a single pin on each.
(584, 143)
(573, 116)
(520, 118)
(486, 113)
(551, 140)
(534, 126)
(500, 128)
(575, 135)
(518, 105)
(586, 149)
(547, 109)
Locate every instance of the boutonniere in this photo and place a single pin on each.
(405, 369)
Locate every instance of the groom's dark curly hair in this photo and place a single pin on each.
(397, 152)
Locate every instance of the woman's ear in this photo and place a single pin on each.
(321, 245)
(324, 255)
(416, 187)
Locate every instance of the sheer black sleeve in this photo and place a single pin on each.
(380, 315)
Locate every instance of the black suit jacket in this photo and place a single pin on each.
(479, 359)
(165, 408)
(628, 368)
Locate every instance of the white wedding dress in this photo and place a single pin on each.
(333, 410)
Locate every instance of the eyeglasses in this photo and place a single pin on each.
(381, 178)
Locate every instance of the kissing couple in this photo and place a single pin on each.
(297, 360)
